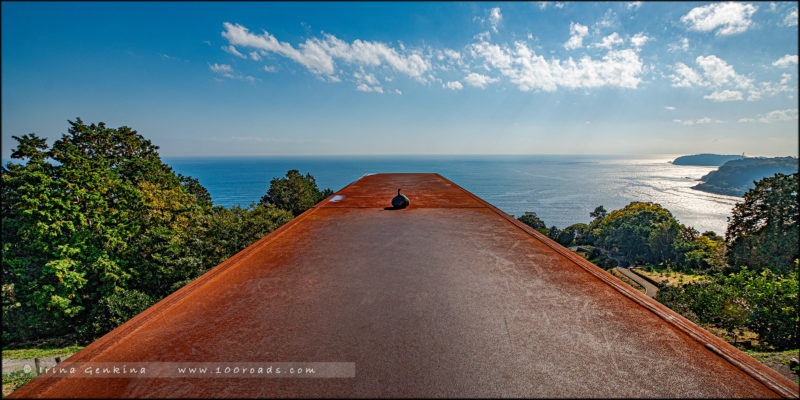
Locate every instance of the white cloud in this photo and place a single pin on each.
(719, 73)
(670, 108)
(639, 39)
(267, 68)
(789, 114)
(558, 5)
(682, 45)
(608, 20)
(791, 18)
(452, 54)
(609, 41)
(478, 80)
(685, 76)
(221, 68)
(529, 71)
(634, 5)
(577, 33)
(495, 17)
(725, 95)
(785, 61)
(318, 55)
(232, 50)
(366, 88)
(543, 4)
(368, 78)
(701, 121)
(778, 115)
(730, 18)
(254, 56)
(455, 85)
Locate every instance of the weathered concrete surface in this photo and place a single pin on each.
(448, 297)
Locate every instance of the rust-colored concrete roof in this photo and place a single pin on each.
(448, 297)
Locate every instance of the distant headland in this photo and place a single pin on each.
(738, 174)
(706, 159)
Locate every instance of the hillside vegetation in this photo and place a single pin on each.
(96, 228)
(743, 285)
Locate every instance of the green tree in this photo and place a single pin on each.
(530, 219)
(96, 214)
(762, 231)
(572, 233)
(764, 302)
(231, 230)
(295, 192)
(599, 212)
(641, 232)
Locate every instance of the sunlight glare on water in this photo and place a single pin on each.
(561, 189)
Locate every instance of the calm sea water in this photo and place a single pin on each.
(561, 189)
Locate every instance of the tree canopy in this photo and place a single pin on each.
(763, 230)
(641, 232)
(96, 228)
(531, 219)
(295, 192)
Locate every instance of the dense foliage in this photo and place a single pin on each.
(751, 283)
(640, 232)
(294, 192)
(96, 228)
(763, 230)
(764, 302)
(531, 219)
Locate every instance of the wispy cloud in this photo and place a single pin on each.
(232, 50)
(454, 85)
(730, 18)
(366, 88)
(530, 71)
(701, 121)
(670, 108)
(222, 69)
(681, 45)
(226, 71)
(609, 41)
(319, 55)
(634, 5)
(495, 17)
(791, 18)
(478, 80)
(639, 39)
(577, 33)
(785, 61)
(725, 95)
(722, 78)
(789, 114)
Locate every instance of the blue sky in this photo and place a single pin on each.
(208, 79)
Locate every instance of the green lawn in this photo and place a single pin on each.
(13, 380)
(32, 353)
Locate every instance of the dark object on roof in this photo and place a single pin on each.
(451, 298)
(400, 201)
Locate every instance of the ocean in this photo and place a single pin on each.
(561, 189)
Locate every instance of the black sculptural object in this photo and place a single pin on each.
(400, 201)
